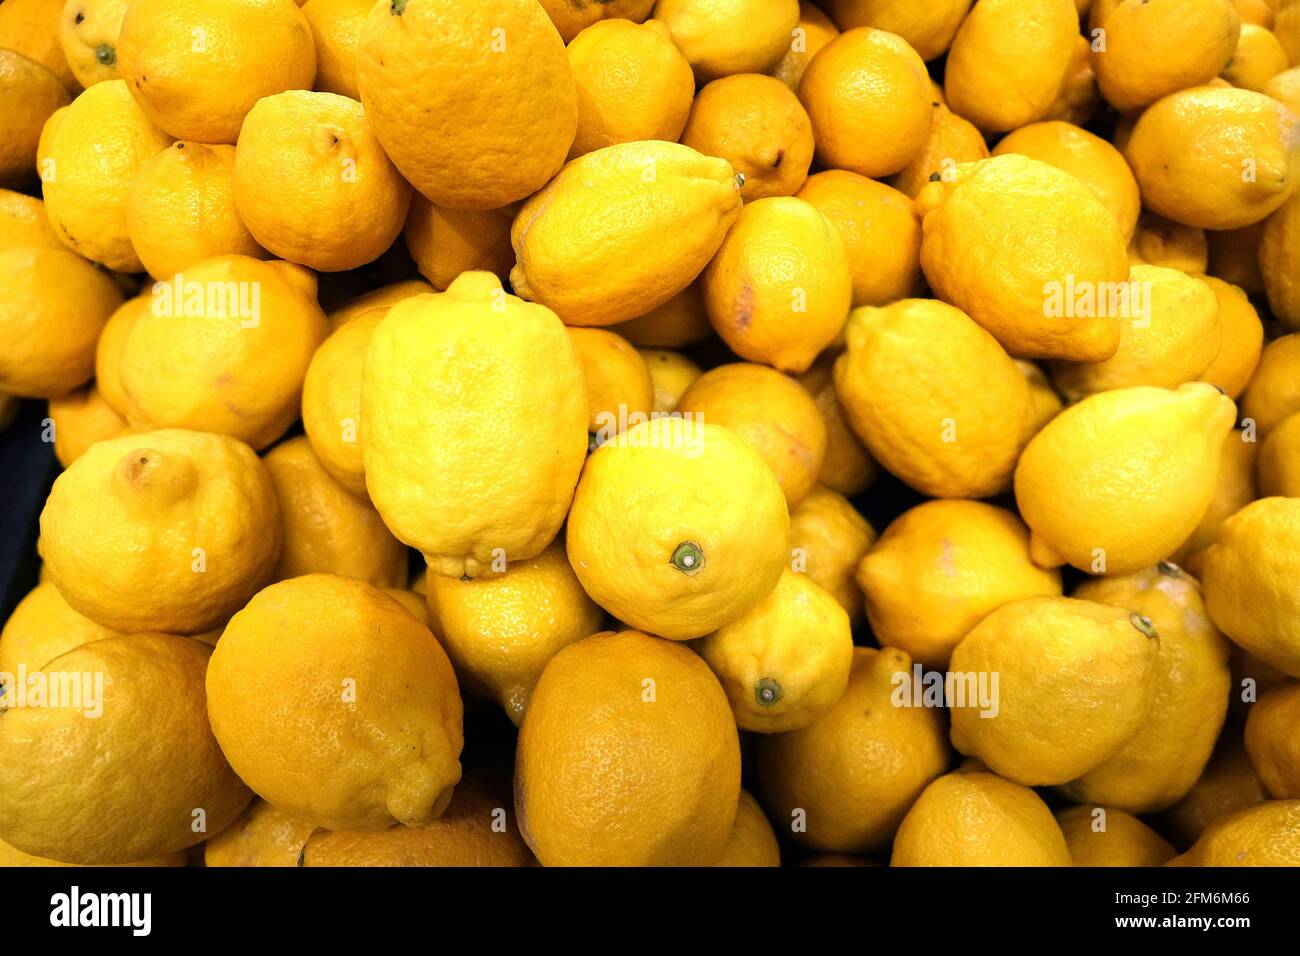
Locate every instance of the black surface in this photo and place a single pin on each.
(27, 468)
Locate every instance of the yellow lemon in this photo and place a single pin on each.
(1228, 784)
(1233, 256)
(619, 387)
(446, 242)
(32, 94)
(263, 835)
(677, 527)
(331, 400)
(628, 755)
(421, 62)
(787, 660)
(934, 397)
(942, 567)
(82, 418)
(31, 27)
(828, 537)
(1279, 460)
(671, 374)
(1215, 158)
(12, 856)
(181, 210)
(24, 223)
(633, 84)
(336, 27)
(1075, 684)
(500, 631)
(1162, 242)
(196, 68)
(1120, 480)
(1234, 488)
(721, 37)
(474, 420)
(1157, 767)
(1285, 88)
(868, 96)
(1249, 575)
(223, 347)
(1241, 339)
(1274, 390)
(979, 819)
(168, 530)
(814, 30)
(951, 141)
(383, 297)
(682, 320)
(772, 413)
(335, 704)
(1107, 836)
(752, 842)
(42, 627)
(51, 314)
(848, 467)
(1265, 835)
(108, 351)
(571, 19)
(88, 31)
(1279, 262)
(1271, 742)
(1258, 58)
(1044, 403)
(1079, 99)
(622, 230)
(137, 772)
(928, 27)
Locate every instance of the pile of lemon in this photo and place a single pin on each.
(629, 304)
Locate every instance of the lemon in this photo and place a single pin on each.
(633, 84)
(828, 537)
(1279, 263)
(682, 320)
(1285, 88)
(928, 27)
(671, 374)
(32, 94)
(1107, 836)
(1078, 99)
(942, 567)
(82, 418)
(335, 704)
(1265, 835)
(618, 380)
(934, 397)
(952, 140)
(843, 782)
(848, 467)
(169, 531)
(677, 527)
(628, 755)
(1076, 682)
(1120, 480)
(1270, 740)
(979, 819)
(25, 223)
(752, 842)
(571, 19)
(622, 230)
(1279, 460)
(383, 297)
(1162, 242)
(1241, 339)
(785, 661)
(721, 37)
(137, 773)
(1228, 784)
(108, 351)
(1233, 256)
(868, 96)
(445, 242)
(1257, 58)
(42, 627)
(1159, 765)
(814, 30)
(12, 857)
(771, 412)
(1249, 577)
(336, 27)
(88, 32)
(1273, 393)
(1233, 490)
(262, 835)
(31, 27)
(500, 631)
(449, 382)
(1044, 403)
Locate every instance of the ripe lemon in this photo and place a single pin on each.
(1044, 403)
(446, 242)
(848, 467)
(628, 755)
(336, 27)
(787, 660)
(196, 68)
(952, 140)
(571, 19)
(263, 835)
(1285, 88)
(1271, 742)
(88, 31)
(383, 297)
(1162, 242)
(1234, 488)
(31, 27)
(25, 223)
(137, 772)
(474, 421)
(1241, 338)
(671, 374)
(677, 527)
(42, 627)
(1228, 784)
(420, 65)
(1257, 58)
(843, 782)
(682, 320)
(1266, 835)
(928, 27)
(622, 230)
(1274, 390)
(82, 418)
(942, 567)
(934, 397)
(814, 30)
(12, 857)
(335, 704)
(1279, 262)
(1120, 480)
(721, 37)
(828, 537)
(1279, 460)
(108, 351)
(618, 380)
(500, 631)
(1107, 836)
(182, 210)
(1233, 256)
(752, 842)
(32, 94)
(1078, 99)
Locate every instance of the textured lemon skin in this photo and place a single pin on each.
(335, 704)
(88, 35)
(31, 27)
(848, 467)
(474, 103)
(934, 397)
(262, 835)
(121, 527)
(671, 374)
(446, 242)
(444, 375)
(1159, 241)
(1216, 158)
(25, 223)
(616, 376)
(1279, 261)
(951, 140)
(940, 569)
(928, 27)
(973, 253)
(108, 351)
(93, 149)
(1279, 460)
(829, 537)
(662, 484)
(1257, 58)
(752, 841)
(799, 637)
(336, 27)
(1285, 88)
(501, 631)
(1163, 46)
(196, 68)
(1273, 393)
(1271, 740)
(1234, 488)
(1125, 841)
(82, 418)
(817, 30)
(1227, 785)
(857, 768)
(54, 307)
(682, 320)
(466, 834)
(868, 96)
(606, 775)
(1159, 765)
(1009, 61)
(1265, 835)
(979, 819)
(1142, 464)
(1078, 99)
(1076, 683)
(571, 19)
(1249, 577)
(42, 627)
(312, 183)
(385, 296)
(32, 94)
(771, 412)
(622, 230)
(13, 857)
(722, 37)
(125, 785)
(235, 368)
(1241, 339)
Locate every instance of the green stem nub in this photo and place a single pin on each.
(688, 557)
(105, 54)
(397, 7)
(1169, 569)
(1143, 624)
(767, 692)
